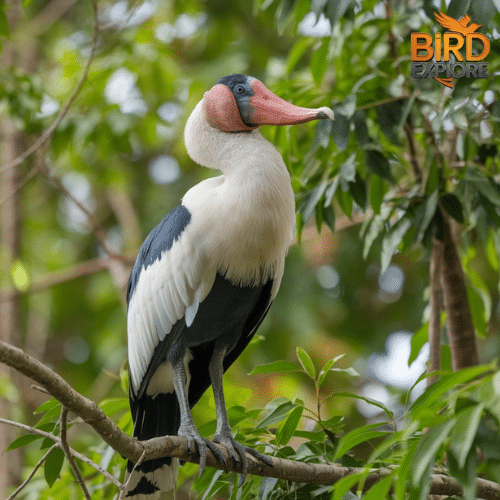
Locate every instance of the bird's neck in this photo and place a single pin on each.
(234, 153)
(253, 199)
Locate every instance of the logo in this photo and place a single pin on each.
(442, 59)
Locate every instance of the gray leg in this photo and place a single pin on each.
(187, 428)
(223, 434)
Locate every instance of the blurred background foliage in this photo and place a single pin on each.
(367, 188)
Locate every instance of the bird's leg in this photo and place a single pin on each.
(223, 433)
(187, 428)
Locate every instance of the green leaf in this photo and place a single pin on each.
(319, 62)
(378, 164)
(357, 436)
(391, 241)
(357, 190)
(306, 362)
(345, 201)
(428, 211)
(347, 108)
(465, 475)
(361, 129)
(453, 207)
(437, 391)
(418, 339)
(478, 310)
(380, 490)
(112, 406)
(23, 441)
(349, 371)
(308, 207)
(344, 485)
(377, 192)
(283, 12)
(324, 371)
(48, 405)
(375, 228)
(278, 409)
(492, 249)
(275, 367)
(340, 130)
(335, 10)
(53, 465)
(266, 487)
(329, 217)
(296, 53)
(458, 8)
(484, 185)
(370, 401)
(425, 452)
(347, 170)
(287, 428)
(391, 116)
(464, 432)
(299, 224)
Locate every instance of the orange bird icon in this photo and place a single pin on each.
(459, 26)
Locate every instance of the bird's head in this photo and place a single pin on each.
(240, 103)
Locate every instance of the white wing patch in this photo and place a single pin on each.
(169, 289)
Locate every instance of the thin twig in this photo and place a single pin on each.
(34, 170)
(62, 276)
(69, 456)
(125, 484)
(57, 440)
(118, 24)
(385, 101)
(32, 473)
(98, 231)
(41, 389)
(64, 110)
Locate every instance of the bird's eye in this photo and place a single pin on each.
(239, 89)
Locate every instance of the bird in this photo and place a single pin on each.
(206, 275)
(459, 26)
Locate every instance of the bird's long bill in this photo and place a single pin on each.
(269, 109)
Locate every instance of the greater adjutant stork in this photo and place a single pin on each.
(206, 276)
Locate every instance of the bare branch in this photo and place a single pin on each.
(98, 231)
(125, 485)
(62, 276)
(175, 446)
(32, 473)
(64, 110)
(69, 456)
(57, 440)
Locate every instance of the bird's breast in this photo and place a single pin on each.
(244, 234)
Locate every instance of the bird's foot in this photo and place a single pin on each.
(238, 452)
(197, 443)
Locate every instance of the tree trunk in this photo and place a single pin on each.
(459, 326)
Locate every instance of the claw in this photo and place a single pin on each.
(238, 452)
(199, 444)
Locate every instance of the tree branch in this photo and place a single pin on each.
(32, 473)
(459, 325)
(64, 110)
(69, 456)
(62, 276)
(176, 446)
